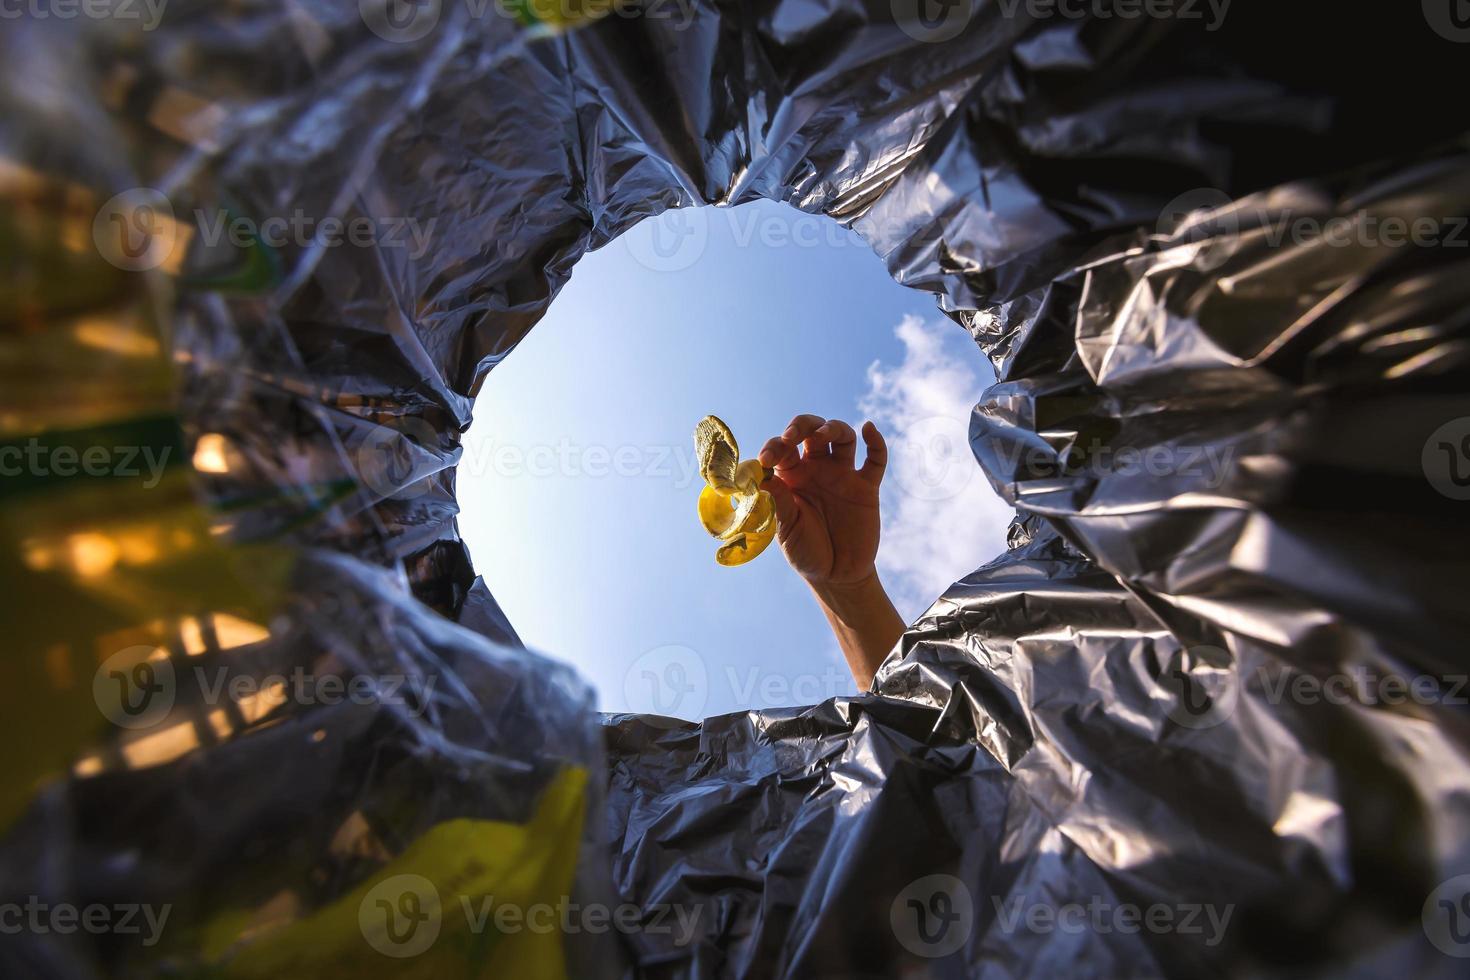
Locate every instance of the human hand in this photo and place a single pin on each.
(826, 510)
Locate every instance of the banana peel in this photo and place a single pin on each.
(732, 506)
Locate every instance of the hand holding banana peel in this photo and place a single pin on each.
(806, 490)
(805, 484)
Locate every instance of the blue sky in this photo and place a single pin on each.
(578, 483)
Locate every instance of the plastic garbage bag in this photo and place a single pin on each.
(1230, 413)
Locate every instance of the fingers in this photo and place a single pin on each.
(802, 426)
(802, 429)
(839, 435)
(782, 452)
(817, 436)
(779, 452)
(877, 460)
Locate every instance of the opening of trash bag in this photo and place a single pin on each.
(1203, 715)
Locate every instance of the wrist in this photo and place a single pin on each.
(848, 593)
(864, 619)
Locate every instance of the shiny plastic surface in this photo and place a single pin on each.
(1087, 721)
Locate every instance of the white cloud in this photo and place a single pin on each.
(941, 520)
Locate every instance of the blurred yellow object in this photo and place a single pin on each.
(434, 911)
(558, 16)
(104, 544)
(732, 507)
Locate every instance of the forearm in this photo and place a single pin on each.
(865, 621)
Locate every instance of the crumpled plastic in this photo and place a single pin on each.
(1085, 722)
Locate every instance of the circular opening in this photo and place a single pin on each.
(578, 483)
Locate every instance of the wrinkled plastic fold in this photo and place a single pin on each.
(1086, 719)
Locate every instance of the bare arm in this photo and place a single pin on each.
(827, 513)
(866, 624)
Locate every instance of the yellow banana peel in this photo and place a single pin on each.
(732, 506)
